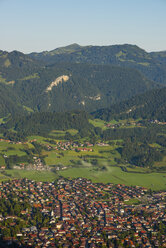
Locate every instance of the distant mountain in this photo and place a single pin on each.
(152, 65)
(61, 50)
(16, 65)
(151, 105)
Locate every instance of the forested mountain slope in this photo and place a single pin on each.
(65, 87)
(151, 105)
(152, 65)
(16, 65)
(9, 102)
(74, 86)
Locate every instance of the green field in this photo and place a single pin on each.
(161, 163)
(11, 149)
(38, 139)
(55, 157)
(136, 169)
(2, 160)
(3, 177)
(132, 201)
(43, 176)
(128, 123)
(42, 140)
(72, 131)
(104, 155)
(155, 181)
(57, 133)
(98, 123)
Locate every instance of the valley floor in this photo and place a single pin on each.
(154, 181)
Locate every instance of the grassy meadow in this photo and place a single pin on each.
(155, 181)
(4, 177)
(12, 149)
(43, 176)
(103, 155)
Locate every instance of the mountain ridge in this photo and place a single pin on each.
(89, 86)
(152, 64)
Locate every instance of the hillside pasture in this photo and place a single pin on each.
(11, 149)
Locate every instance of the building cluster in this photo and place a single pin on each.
(157, 122)
(74, 146)
(37, 165)
(79, 213)
(123, 125)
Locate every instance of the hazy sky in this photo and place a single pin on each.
(37, 25)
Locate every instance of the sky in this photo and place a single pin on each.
(40, 25)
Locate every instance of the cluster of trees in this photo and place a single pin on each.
(15, 159)
(139, 154)
(12, 207)
(148, 135)
(14, 136)
(135, 148)
(43, 123)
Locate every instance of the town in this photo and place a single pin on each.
(79, 213)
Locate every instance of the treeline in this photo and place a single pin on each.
(148, 135)
(135, 147)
